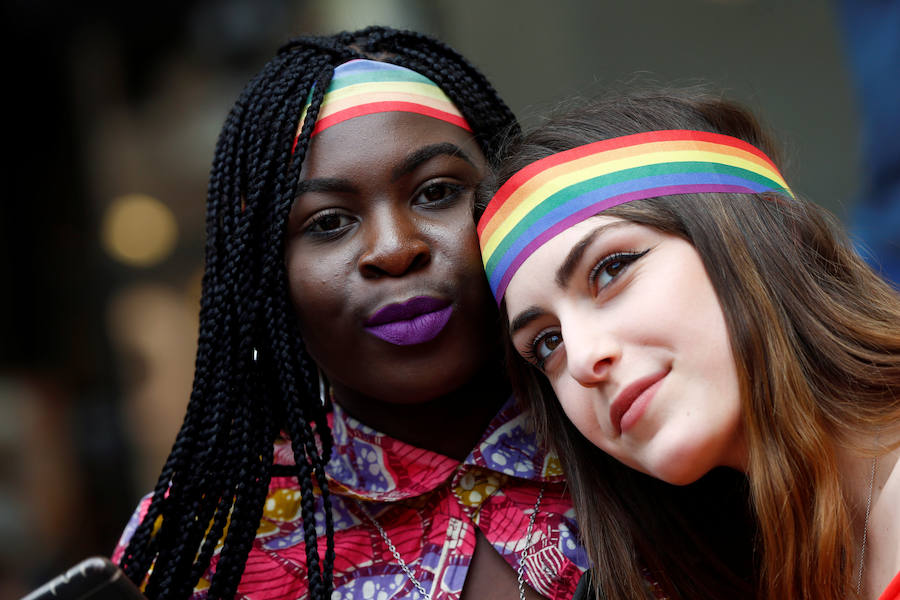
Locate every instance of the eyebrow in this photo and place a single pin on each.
(409, 164)
(567, 268)
(426, 153)
(563, 274)
(324, 185)
(524, 318)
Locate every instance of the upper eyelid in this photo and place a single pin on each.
(529, 339)
(428, 155)
(452, 185)
(628, 256)
(314, 218)
(604, 262)
(539, 337)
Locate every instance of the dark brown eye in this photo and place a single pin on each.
(438, 192)
(611, 267)
(544, 345)
(329, 222)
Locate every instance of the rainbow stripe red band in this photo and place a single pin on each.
(364, 87)
(552, 194)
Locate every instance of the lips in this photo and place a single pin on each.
(415, 321)
(630, 404)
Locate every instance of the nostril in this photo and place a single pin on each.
(421, 260)
(395, 257)
(602, 366)
(589, 370)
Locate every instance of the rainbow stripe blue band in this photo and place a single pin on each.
(552, 194)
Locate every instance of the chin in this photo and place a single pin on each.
(681, 469)
(681, 479)
(412, 388)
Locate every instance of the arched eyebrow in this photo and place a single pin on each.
(332, 185)
(564, 273)
(426, 153)
(524, 318)
(409, 164)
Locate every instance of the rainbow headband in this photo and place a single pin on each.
(363, 87)
(552, 194)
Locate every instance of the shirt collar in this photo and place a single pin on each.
(369, 464)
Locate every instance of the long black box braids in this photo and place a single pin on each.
(253, 378)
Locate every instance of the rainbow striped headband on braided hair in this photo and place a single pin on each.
(554, 193)
(364, 87)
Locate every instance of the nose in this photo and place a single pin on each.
(591, 350)
(395, 245)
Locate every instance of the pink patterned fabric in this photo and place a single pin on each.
(430, 506)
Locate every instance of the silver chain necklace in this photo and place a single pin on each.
(415, 582)
(862, 549)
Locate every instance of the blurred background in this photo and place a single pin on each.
(113, 112)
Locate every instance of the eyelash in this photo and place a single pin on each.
(625, 258)
(530, 353)
(453, 190)
(319, 219)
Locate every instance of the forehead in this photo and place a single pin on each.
(534, 283)
(381, 139)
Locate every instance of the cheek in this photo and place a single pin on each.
(311, 286)
(460, 240)
(463, 256)
(580, 410)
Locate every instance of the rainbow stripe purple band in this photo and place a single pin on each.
(552, 194)
(364, 87)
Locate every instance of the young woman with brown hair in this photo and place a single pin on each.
(690, 313)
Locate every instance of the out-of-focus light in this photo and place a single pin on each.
(139, 230)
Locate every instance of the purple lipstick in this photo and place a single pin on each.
(415, 321)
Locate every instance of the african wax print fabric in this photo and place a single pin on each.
(430, 506)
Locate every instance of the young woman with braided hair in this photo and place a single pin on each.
(346, 323)
(676, 315)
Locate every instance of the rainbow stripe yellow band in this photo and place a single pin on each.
(552, 194)
(363, 87)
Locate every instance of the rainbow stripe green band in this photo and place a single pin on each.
(363, 87)
(552, 194)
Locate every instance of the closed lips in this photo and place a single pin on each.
(629, 395)
(402, 311)
(416, 321)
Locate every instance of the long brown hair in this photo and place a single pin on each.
(816, 339)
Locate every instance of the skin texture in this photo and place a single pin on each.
(634, 315)
(391, 221)
(388, 222)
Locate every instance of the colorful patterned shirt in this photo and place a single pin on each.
(429, 505)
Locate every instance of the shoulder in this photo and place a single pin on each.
(136, 517)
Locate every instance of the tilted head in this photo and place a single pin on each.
(679, 328)
(621, 316)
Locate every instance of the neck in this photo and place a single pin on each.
(857, 479)
(450, 425)
(882, 555)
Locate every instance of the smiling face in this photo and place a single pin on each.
(383, 260)
(624, 322)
